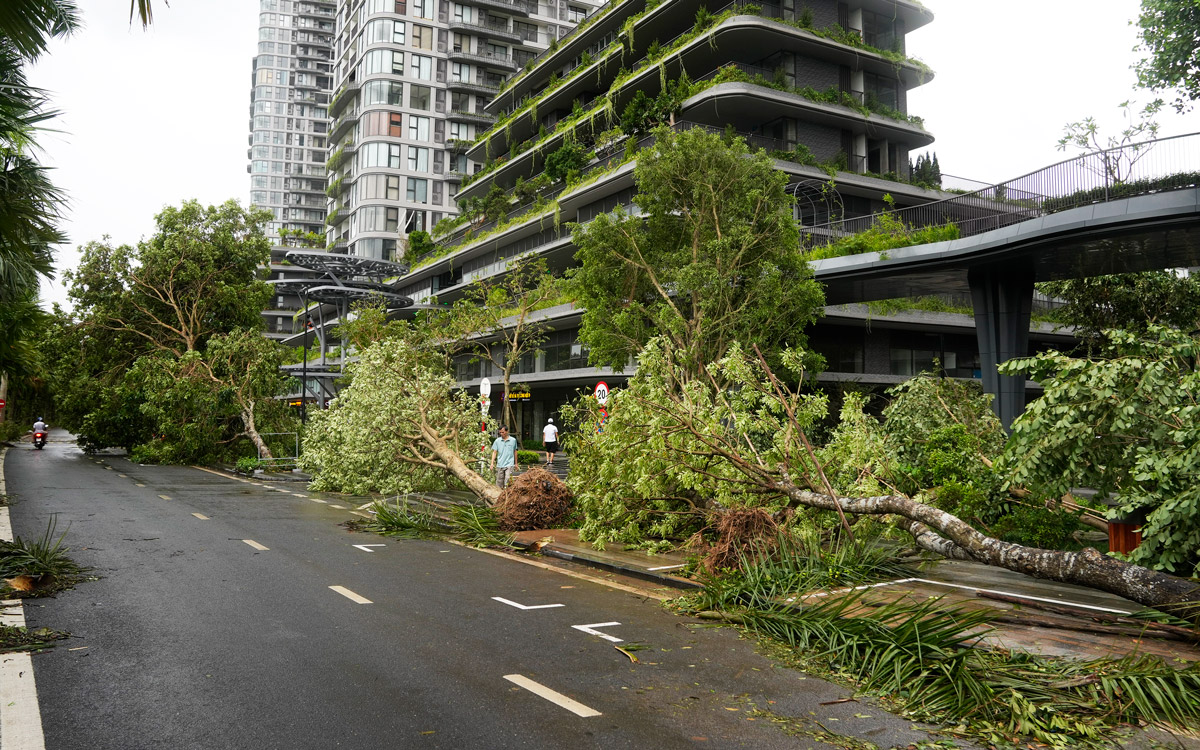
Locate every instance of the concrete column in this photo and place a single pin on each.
(1003, 299)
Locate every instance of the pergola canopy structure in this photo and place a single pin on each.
(345, 279)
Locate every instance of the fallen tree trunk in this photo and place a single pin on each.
(453, 463)
(937, 531)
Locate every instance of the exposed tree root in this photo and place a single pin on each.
(534, 500)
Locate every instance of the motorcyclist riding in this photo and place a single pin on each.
(39, 425)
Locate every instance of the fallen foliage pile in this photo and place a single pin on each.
(535, 499)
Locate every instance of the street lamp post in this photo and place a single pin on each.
(304, 377)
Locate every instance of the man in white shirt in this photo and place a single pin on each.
(550, 440)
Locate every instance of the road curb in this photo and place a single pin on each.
(20, 714)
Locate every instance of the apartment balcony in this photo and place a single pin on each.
(337, 215)
(312, 51)
(511, 7)
(453, 145)
(347, 94)
(477, 118)
(487, 31)
(343, 125)
(310, 190)
(495, 62)
(472, 87)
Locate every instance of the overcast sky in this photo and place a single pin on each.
(152, 118)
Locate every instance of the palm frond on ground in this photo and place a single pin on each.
(925, 656)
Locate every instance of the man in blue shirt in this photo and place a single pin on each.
(504, 457)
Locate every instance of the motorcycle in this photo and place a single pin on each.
(39, 440)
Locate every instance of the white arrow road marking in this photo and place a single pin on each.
(255, 545)
(201, 516)
(554, 697)
(525, 606)
(363, 547)
(589, 629)
(351, 595)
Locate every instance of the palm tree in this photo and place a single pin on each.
(27, 26)
(29, 202)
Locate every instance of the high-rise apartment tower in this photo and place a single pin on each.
(412, 79)
(289, 119)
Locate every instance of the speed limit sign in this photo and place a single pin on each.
(602, 392)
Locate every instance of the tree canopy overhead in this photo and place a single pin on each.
(710, 258)
(1169, 34)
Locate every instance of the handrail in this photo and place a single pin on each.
(1096, 177)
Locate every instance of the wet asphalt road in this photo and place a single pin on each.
(193, 638)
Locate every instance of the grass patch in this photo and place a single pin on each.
(39, 567)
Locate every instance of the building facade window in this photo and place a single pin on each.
(379, 155)
(420, 97)
(382, 92)
(422, 36)
(422, 67)
(418, 159)
(421, 8)
(418, 128)
(418, 190)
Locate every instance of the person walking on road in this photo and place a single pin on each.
(550, 440)
(504, 457)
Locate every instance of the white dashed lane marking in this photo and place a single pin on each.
(553, 696)
(255, 545)
(201, 516)
(351, 595)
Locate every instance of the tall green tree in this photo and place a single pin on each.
(163, 337)
(29, 202)
(1169, 34)
(712, 259)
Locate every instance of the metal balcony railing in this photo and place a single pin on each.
(487, 30)
(1097, 177)
(504, 62)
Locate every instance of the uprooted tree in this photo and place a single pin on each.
(402, 424)
(693, 446)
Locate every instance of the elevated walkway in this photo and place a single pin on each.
(1125, 210)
